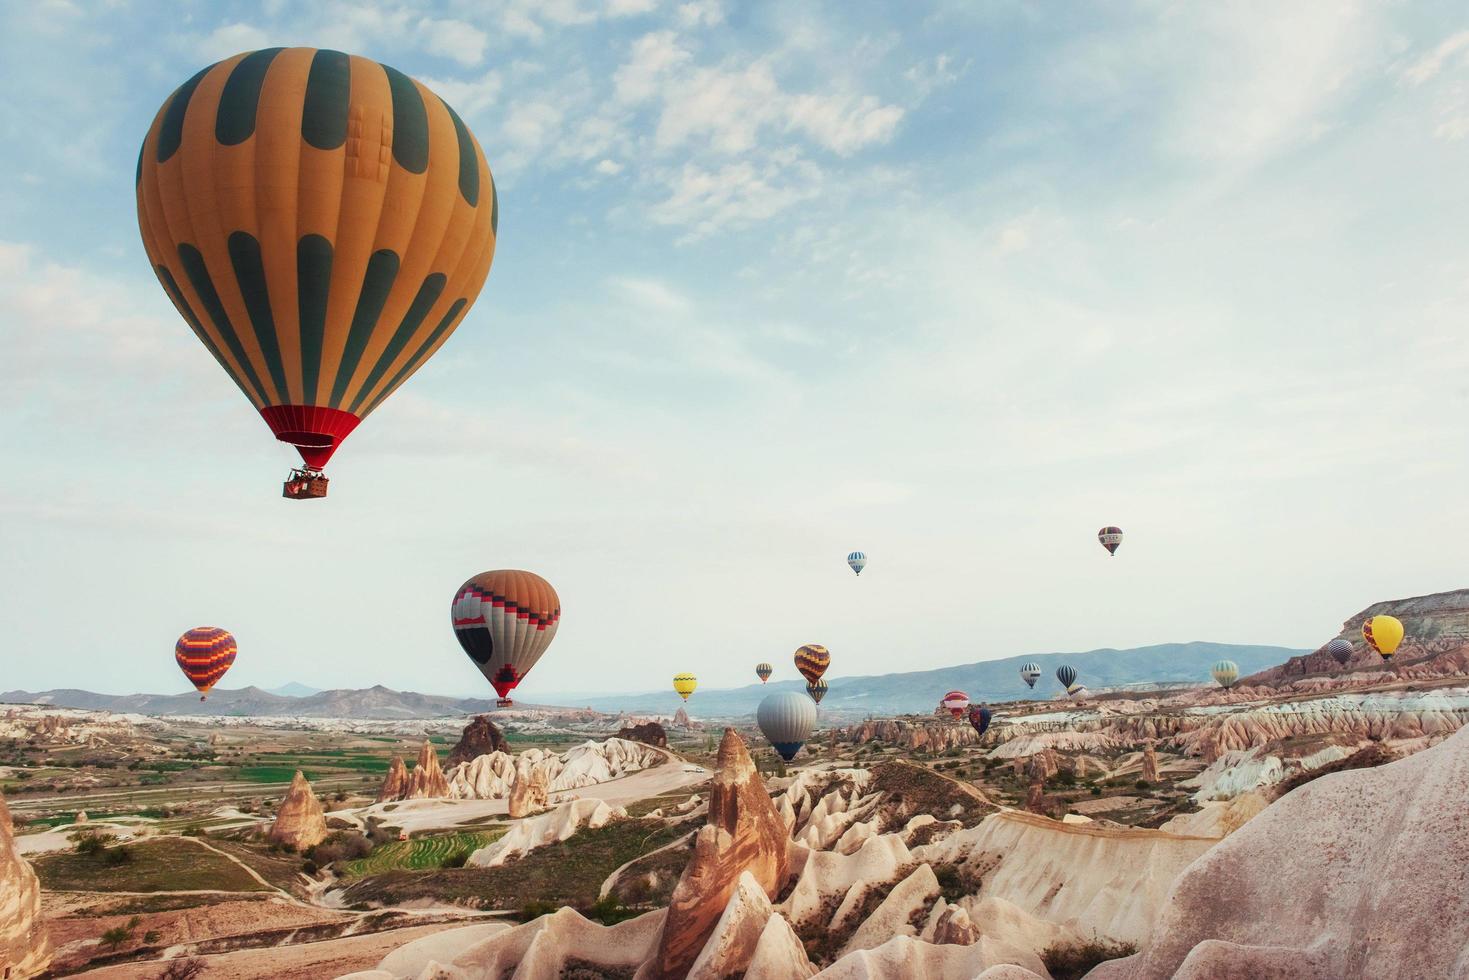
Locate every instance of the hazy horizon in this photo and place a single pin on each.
(773, 284)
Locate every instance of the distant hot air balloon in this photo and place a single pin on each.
(817, 690)
(979, 717)
(504, 620)
(812, 661)
(786, 719)
(684, 684)
(955, 703)
(763, 671)
(1383, 634)
(1066, 674)
(858, 561)
(204, 654)
(1030, 673)
(1225, 673)
(1340, 649)
(1110, 537)
(322, 223)
(1075, 690)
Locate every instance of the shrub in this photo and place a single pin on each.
(115, 856)
(89, 844)
(609, 911)
(152, 936)
(1143, 784)
(536, 908)
(455, 860)
(1071, 961)
(1096, 791)
(1065, 777)
(182, 970)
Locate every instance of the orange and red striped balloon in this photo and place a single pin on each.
(204, 654)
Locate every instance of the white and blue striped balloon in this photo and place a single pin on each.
(858, 561)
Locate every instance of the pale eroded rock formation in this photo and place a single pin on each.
(25, 949)
(300, 821)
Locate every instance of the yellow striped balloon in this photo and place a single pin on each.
(322, 223)
(684, 684)
(812, 661)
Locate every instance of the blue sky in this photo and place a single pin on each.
(954, 284)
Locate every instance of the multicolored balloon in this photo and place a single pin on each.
(1075, 690)
(763, 671)
(1225, 673)
(322, 222)
(857, 561)
(684, 684)
(1340, 649)
(1030, 673)
(812, 661)
(505, 620)
(1383, 634)
(817, 690)
(204, 653)
(1066, 674)
(955, 703)
(1110, 537)
(979, 717)
(786, 719)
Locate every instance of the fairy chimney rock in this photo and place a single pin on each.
(396, 782)
(300, 822)
(480, 737)
(25, 949)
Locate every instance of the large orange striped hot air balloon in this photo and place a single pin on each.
(321, 222)
(204, 654)
(505, 620)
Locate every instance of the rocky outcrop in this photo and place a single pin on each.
(490, 777)
(548, 828)
(744, 835)
(300, 821)
(427, 781)
(1386, 898)
(925, 736)
(749, 941)
(530, 790)
(1150, 763)
(681, 720)
(395, 784)
(649, 733)
(480, 737)
(25, 949)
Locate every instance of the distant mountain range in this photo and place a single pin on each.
(903, 693)
(294, 689)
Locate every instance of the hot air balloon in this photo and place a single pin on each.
(817, 690)
(504, 620)
(322, 223)
(684, 684)
(1030, 673)
(1075, 690)
(763, 671)
(1110, 537)
(812, 661)
(955, 703)
(786, 718)
(1383, 634)
(204, 653)
(858, 561)
(979, 717)
(1225, 673)
(1340, 649)
(1066, 675)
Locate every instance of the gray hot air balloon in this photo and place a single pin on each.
(1066, 674)
(1340, 650)
(1029, 673)
(786, 719)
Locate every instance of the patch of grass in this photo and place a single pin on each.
(159, 865)
(271, 774)
(422, 853)
(1072, 961)
(568, 873)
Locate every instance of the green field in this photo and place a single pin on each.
(172, 864)
(421, 854)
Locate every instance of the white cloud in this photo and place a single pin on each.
(231, 39)
(629, 8)
(468, 97)
(652, 295)
(608, 168)
(653, 57)
(843, 124)
(735, 195)
(1430, 64)
(701, 13)
(453, 39)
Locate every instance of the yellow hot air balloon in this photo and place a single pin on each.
(1383, 634)
(684, 684)
(322, 222)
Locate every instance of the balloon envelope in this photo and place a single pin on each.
(1066, 674)
(1030, 673)
(786, 719)
(1383, 634)
(763, 671)
(955, 703)
(321, 222)
(858, 561)
(1225, 673)
(684, 684)
(204, 653)
(817, 690)
(505, 620)
(979, 717)
(1340, 649)
(1111, 538)
(812, 661)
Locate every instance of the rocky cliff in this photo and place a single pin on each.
(300, 821)
(426, 780)
(649, 733)
(25, 949)
(927, 736)
(480, 737)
